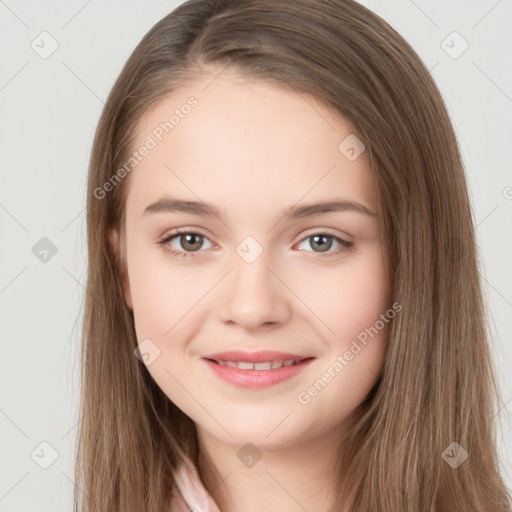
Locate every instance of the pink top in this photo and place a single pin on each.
(192, 495)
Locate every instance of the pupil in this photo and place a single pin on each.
(322, 246)
(191, 245)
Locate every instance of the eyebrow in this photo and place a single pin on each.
(172, 205)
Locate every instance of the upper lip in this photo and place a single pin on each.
(255, 357)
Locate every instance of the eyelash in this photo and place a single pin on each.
(345, 245)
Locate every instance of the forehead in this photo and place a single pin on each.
(243, 143)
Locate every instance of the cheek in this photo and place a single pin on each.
(163, 293)
(163, 302)
(351, 302)
(350, 298)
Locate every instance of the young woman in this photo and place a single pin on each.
(284, 308)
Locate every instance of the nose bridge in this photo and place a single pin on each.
(252, 295)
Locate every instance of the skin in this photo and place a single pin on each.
(253, 150)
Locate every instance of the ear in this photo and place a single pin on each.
(118, 250)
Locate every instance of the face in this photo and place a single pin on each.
(259, 269)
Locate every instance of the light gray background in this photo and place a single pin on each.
(49, 110)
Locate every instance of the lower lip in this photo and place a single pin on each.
(257, 378)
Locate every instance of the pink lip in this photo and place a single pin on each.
(257, 379)
(254, 357)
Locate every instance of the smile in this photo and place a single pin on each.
(257, 375)
(265, 365)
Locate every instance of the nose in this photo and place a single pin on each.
(253, 297)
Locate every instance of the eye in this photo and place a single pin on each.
(322, 243)
(188, 242)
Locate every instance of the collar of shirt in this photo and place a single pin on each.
(192, 495)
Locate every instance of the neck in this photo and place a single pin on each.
(291, 479)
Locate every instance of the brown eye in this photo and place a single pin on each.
(191, 241)
(322, 242)
(185, 243)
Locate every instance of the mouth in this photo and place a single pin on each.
(259, 366)
(257, 374)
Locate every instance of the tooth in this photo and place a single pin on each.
(266, 365)
(263, 366)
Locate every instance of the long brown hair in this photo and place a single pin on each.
(437, 385)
